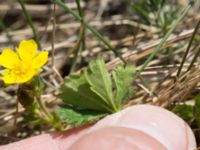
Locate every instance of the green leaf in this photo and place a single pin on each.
(78, 118)
(128, 94)
(100, 81)
(184, 111)
(76, 92)
(122, 77)
(196, 110)
(92, 91)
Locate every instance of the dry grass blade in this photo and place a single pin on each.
(179, 91)
(146, 49)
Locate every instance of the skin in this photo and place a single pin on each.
(138, 127)
(119, 138)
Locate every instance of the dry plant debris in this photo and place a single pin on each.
(127, 30)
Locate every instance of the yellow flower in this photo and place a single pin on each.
(23, 65)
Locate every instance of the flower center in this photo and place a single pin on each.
(21, 69)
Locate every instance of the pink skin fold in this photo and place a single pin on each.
(137, 127)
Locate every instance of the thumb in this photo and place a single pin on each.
(150, 125)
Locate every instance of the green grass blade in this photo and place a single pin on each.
(169, 32)
(87, 25)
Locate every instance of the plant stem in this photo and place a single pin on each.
(53, 33)
(77, 49)
(44, 109)
(81, 13)
(188, 49)
(194, 59)
(169, 32)
(79, 8)
(198, 51)
(93, 30)
(80, 45)
(28, 17)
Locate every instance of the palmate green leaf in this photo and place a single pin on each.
(76, 92)
(100, 82)
(122, 77)
(90, 93)
(78, 118)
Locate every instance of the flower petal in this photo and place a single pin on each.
(8, 58)
(8, 78)
(27, 49)
(40, 60)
